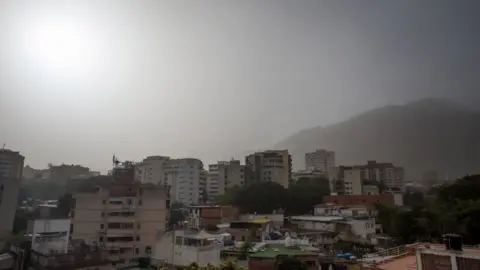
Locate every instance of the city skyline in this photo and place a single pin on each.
(83, 80)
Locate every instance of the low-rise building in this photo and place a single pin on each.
(277, 218)
(425, 256)
(183, 247)
(50, 247)
(256, 230)
(269, 256)
(206, 216)
(348, 229)
(78, 256)
(344, 211)
(346, 200)
(50, 235)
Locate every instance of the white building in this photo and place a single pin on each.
(309, 173)
(320, 160)
(50, 235)
(348, 228)
(183, 247)
(224, 175)
(150, 170)
(343, 211)
(183, 177)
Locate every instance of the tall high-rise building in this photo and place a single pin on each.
(269, 166)
(11, 168)
(183, 177)
(224, 175)
(150, 170)
(124, 218)
(320, 160)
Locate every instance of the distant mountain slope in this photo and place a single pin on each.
(423, 135)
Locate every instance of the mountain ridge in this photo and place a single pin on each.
(429, 134)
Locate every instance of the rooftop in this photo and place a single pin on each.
(272, 251)
(317, 218)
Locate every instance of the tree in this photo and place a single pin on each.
(303, 195)
(290, 263)
(176, 214)
(65, 205)
(260, 197)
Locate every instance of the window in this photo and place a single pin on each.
(137, 251)
(138, 237)
(139, 202)
(138, 226)
(102, 226)
(103, 214)
(104, 202)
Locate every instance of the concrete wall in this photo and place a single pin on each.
(45, 244)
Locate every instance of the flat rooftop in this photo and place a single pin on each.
(318, 218)
(272, 251)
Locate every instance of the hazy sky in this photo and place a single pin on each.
(81, 80)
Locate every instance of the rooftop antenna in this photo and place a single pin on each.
(3, 148)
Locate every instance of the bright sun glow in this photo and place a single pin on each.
(61, 46)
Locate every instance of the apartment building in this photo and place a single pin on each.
(11, 168)
(203, 186)
(62, 173)
(350, 180)
(180, 248)
(320, 160)
(183, 177)
(150, 170)
(224, 175)
(269, 166)
(205, 216)
(123, 218)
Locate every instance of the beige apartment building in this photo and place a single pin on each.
(269, 166)
(125, 218)
(224, 175)
(320, 160)
(352, 180)
(11, 168)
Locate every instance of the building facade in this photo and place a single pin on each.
(350, 180)
(206, 216)
(222, 176)
(11, 169)
(124, 219)
(180, 248)
(269, 166)
(183, 177)
(150, 170)
(62, 173)
(320, 160)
